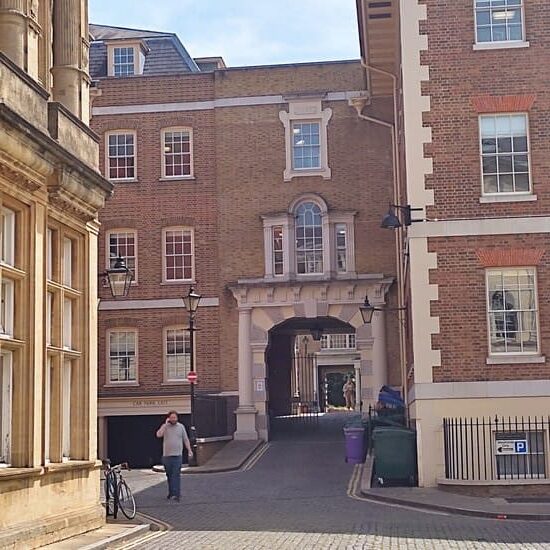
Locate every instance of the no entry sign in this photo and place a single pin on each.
(192, 377)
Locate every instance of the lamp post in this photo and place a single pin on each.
(191, 302)
(119, 277)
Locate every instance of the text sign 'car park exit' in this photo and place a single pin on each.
(511, 446)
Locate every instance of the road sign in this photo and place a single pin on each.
(511, 446)
(192, 377)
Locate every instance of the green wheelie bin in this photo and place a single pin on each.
(394, 456)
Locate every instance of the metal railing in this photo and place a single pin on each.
(496, 448)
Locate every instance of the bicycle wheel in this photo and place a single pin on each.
(126, 500)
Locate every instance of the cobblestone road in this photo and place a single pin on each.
(296, 497)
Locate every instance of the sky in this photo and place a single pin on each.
(244, 32)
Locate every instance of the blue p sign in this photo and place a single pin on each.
(520, 447)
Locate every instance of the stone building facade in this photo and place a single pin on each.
(276, 190)
(471, 106)
(50, 193)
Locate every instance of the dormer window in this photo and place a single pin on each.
(125, 59)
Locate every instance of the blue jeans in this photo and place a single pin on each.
(172, 467)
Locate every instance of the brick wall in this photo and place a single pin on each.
(239, 155)
(458, 76)
(462, 312)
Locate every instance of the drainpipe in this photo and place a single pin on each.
(359, 104)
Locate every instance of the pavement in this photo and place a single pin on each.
(298, 492)
(433, 499)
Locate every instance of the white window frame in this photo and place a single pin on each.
(107, 156)
(500, 44)
(510, 194)
(166, 330)
(66, 396)
(165, 279)
(7, 297)
(306, 111)
(314, 250)
(509, 354)
(68, 307)
(118, 231)
(280, 251)
(305, 146)
(6, 374)
(68, 254)
(49, 253)
(139, 58)
(49, 317)
(7, 243)
(286, 220)
(182, 129)
(108, 380)
(47, 408)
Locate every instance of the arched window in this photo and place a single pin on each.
(309, 238)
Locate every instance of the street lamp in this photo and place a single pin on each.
(119, 277)
(191, 302)
(367, 310)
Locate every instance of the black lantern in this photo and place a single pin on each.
(191, 301)
(367, 311)
(119, 278)
(391, 219)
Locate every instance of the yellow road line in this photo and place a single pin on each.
(253, 460)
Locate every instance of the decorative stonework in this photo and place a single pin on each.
(503, 104)
(509, 257)
(18, 177)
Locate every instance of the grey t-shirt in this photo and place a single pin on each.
(174, 437)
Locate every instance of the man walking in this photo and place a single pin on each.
(174, 437)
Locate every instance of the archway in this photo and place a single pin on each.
(308, 361)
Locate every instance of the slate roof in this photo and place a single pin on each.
(165, 55)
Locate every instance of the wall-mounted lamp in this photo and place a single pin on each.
(391, 219)
(367, 310)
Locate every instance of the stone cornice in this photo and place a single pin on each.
(19, 174)
(265, 293)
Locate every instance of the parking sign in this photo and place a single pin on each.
(520, 446)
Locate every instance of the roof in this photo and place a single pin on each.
(165, 53)
(106, 32)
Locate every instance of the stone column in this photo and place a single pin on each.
(379, 353)
(68, 76)
(13, 30)
(246, 412)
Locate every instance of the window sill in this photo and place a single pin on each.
(124, 181)
(515, 359)
(501, 45)
(178, 178)
(487, 199)
(121, 385)
(70, 465)
(325, 173)
(19, 473)
(182, 282)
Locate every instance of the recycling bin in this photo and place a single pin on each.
(395, 455)
(355, 436)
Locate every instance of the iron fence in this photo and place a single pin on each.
(496, 448)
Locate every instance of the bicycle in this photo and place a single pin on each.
(117, 492)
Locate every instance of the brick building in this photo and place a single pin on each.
(261, 187)
(471, 116)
